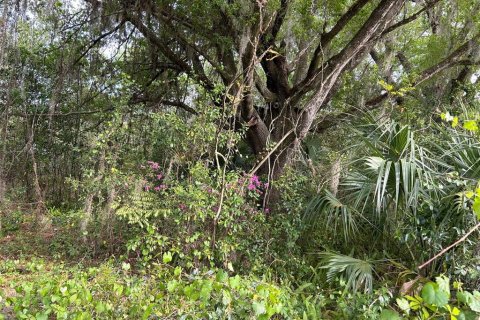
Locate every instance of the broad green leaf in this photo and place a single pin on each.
(41, 316)
(432, 294)
(443, 284)
(226, 297)
(415, 302)
(389, 315)
(474, 303)
(455, 311)
(234, 282)
(100, 307)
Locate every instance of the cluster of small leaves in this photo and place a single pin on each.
(109, 292)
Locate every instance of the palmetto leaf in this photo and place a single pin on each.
(358, 273)
(330, 209)
(393, 174)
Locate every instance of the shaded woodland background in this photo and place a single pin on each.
(297, 159)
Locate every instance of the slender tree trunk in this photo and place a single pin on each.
(335, 171)
(88, 206)
(3, 155)
(87, 215)
(5, 113)
(40, 209)
(107, 218)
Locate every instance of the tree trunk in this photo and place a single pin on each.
(42, 219)
(295, 122)
(87, 216)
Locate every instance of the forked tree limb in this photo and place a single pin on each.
(463, 238)
(326, 38)
(452, 60)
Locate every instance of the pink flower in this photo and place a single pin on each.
(147, 188)
(251, 187)
(157, 188)
(159, 176)
(266, 185)
(153, 165)
(182, 206)
(255, 181)
(267, 210)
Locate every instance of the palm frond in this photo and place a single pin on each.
(358, 273)
(329, 211)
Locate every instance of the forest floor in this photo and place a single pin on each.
(29, 255)
(51, 275)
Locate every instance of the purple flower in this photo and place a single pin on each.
(267, 210)
(255, 180)
(157, 188)
(147, 188)
(153, 165)
(251, 187)
(159, 176)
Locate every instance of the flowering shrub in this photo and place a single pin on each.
(203, 220)
(153, 177)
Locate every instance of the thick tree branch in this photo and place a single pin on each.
(411, 18)
(191, 45)
(326, 38)
(169, 54)
(452, 60)
(269, 39)
(179, 104)
(325, 76)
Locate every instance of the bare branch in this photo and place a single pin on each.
(463, 238)
(97, 40)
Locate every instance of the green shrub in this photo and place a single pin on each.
(106, 292)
